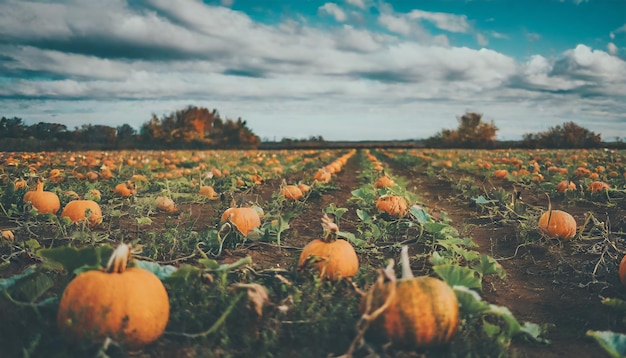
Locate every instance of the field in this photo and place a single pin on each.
(469, 218)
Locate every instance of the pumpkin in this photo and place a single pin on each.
(565, 185)
(598, 186)
(165, 204)
(558, 224)
(209, 192)
(291, 192)
(125, 189)
(501, 173)
(76, 210)
(129, 305)
(333, 258)
(394, 205)
(383, 182)
(46, 202)
(622, 271)
(244, 219)
(421, 311)
(323, 176)
(304, 188)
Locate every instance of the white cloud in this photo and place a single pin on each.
(358, 3)
(482, 40)
(397, 24)
(227, 3)
(620, 29)
(334, 10)
(443, 21)
(612, 48)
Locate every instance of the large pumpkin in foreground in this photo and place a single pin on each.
(622, 271)
(332, 257)
(558, 224)
(423, 311)
(129, 305)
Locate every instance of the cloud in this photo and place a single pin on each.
(121, 63)
(482, 40)
(621, 29)
(612, 48)
(357, 3)
(443, 21)
(334, 10)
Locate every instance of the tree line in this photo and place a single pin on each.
(189, 128)
(200, 128)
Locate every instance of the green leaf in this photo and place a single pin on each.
(209, 264)
(455, 275)
(512, 325)
(6, 283)
(32, 287)
(470, 302)
(351, 237)
(420, 214)
(144, 220)
(363, 215)
(488, 266)
(183, 274)
(615, 303)
(534, 331)
(481, 200)
(162, 272)
(613, 343)
(72, 258)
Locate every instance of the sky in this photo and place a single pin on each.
(343, 70)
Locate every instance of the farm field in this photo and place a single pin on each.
(237, 287)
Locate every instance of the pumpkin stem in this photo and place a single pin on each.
(39, 186)
(330, 229)
(549, 210)
(119, 259)
(404, 260)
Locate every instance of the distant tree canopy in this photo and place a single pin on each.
(569, 135)
(471, 133)
(191, 127)
(198, 127)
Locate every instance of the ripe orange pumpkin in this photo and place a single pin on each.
(422, 312)
(46, 202)
(323, 176)
(501, 173)
(244, 219)
(558, 224)
(166, 204)
(598, 186)
(125, 189)
(209, 192)
(332, 257)
(565, 185)
(291, 192)
(622, 271)
(394, 205)
(384, 182)
(130, 305)
(76, 210)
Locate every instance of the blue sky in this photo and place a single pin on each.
(346, 70)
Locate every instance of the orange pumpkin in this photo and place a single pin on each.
(129, 305)
(421, 312)
(384, 182)
(558, 224)
(46, 202)
(501, 173)
(125, 189)
(622, 271)
(165, 204)
(394, 205)
(565, 185)
(77, 210)
(333, 258)
(598, 186)
(209, 192)
(291, 192)
(323, 176)
(244, 219)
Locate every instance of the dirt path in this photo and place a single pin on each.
(538, 288)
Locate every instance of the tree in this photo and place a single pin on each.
(471, 133)
(569, 135)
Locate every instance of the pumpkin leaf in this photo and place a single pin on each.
(162, 272)
(144, 220)
(534, 332)
(72, 258)
(32, 287)
(488, 266)
(420, 214)
(470, 302)
(455, 275)
(363, 215)
(183, 273)
(615, 303)
(352, 238)
(7, 283)
(481, 200)
(613, 343)
(513, 327)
